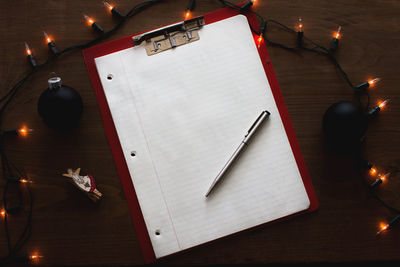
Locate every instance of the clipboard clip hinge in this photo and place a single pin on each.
(170, 37)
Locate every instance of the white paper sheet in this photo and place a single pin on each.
(184, 111)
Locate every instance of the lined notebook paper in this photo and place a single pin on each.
(182, 113)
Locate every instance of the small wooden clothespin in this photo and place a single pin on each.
(85, 183)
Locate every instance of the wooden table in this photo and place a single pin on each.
(68, 229)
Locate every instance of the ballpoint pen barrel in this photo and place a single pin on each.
(261, 118)
(226, 166)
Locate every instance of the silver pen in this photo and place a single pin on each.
(256, 125)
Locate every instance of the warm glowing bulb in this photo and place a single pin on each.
(3, 212)
(108, 5)
(24, 131)
(382, 104)
(187, 14)
(28, 50)
(47, 38)
(373, 171)
(259, 40)
(382, 227)
(35, 257)
(89, 20)
(384, 176)
(300, 24)
(372, 82)
(24, 181)
(337, 34)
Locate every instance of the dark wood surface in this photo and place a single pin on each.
(70, 230)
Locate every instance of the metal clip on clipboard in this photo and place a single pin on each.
(170, 37)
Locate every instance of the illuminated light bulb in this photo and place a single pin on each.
(263, 26)
(383, 104)
(27, 49)
(375, 110)
(335, 40)
(189, 8)
(24, 131)
(91, 22)
(337, 34)
(379, 180)
(300, 32)
(88, 19)
(108, 5)
(31, 59)
(300, 24)
(50, 43)
(113, 10)
(373, 171)
(259, 40)
(383, 177)
(384, 227)
(47, 38)
(187, 14)
(372, 82)
(35, 257)
(24, 181)
(367, 84)
(3, 212)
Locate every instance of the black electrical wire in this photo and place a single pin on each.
(7, 98)
(7, 166)
(323, 51)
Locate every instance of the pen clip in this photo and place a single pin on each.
(257, 120)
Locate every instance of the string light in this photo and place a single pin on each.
(373, 171)
(379, 180)
(24, 181)
(384, 227)
(373, 82)
(91, 22)
(338, 33)
(368, 84)
(383, 104)
(31, 59)
(262, 30)
(113, 10)
(50, 43)
(375, 110)
(189, 9)
(18, 180)
(35, 257)
(300, 32)
(335, 40)
(24, 131)
(300, 24)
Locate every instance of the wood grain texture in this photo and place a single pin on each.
(68, 229)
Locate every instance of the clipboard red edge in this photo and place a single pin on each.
(91, 53)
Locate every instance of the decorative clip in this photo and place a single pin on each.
(84, 183)
(170, 37)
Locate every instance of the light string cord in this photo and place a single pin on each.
(7, 165)
(319, 49)
(7, 98)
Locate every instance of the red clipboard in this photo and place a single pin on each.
(126, 42)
